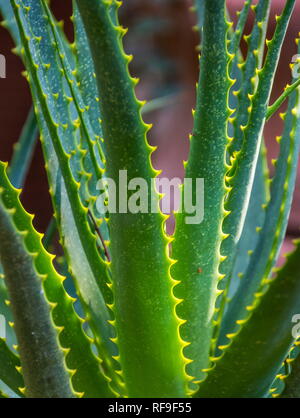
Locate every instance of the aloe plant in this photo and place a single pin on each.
(203, 313)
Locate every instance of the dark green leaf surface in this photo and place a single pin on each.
(196, 246)
(57, 98)
(87, 375)
(23, 152)
(9, 363)
(277, 210)
(141, 283)
(253, 357)
(241, 176)
(292, 382)
(42, 359)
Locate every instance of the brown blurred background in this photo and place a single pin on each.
(164, 45)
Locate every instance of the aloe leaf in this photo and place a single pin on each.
(256, 43)
(196, 245)
(25, 146)
(250, 362)
(285, 371)
(238, 32)
(244, 72)
(9, 358)
(292, 381)
(23, 151)
(235, 69)
(245, 162)
(85, 74)
(199, 6)
(143, 298)
(9, 364)
(85, 68)
(6, 312)
(276, 105)
(50, 233)
(8, 347)
(63, 48)
(18, 169)
(278, 208)
(241, 175)
(88, 119)
(37, 337)
(87, 374)
(83, 119)
(249, 239)
(254, 221)
(10, 24)
(246, 83)
(86, 71)
(61, 135)
(9, 21)
(158, 103)
(248, 86)
(2, 395)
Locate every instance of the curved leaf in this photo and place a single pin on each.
(9, 364)
(142, 289)
(277, 210)
(37, 337)
(23, 151)
(62, 126)
(292, 382)
(87, 375)
(197, 242)
(250, 362)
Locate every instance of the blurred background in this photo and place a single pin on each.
(164, 45)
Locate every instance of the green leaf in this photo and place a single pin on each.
(63, 125)
(247, 243)
(196, 245)
(278, 208)
(235, 261)
(292, 381)
(241, 175)
(276, 105)
(6, 312)
(86, 71)
(234, 222)
(24, 148)
(9, 366)
(2, 395)
(256, 44)
(23, 152)
(37, 337)
(199, 6)
(158, 103)
(143, 298)
(87, 374)
(238, 32)
(85, 74)
(50, 233)
(255, 216)
(245, 162)
(250, 362)
(9, 21)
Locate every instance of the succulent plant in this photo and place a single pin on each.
(202, 313)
